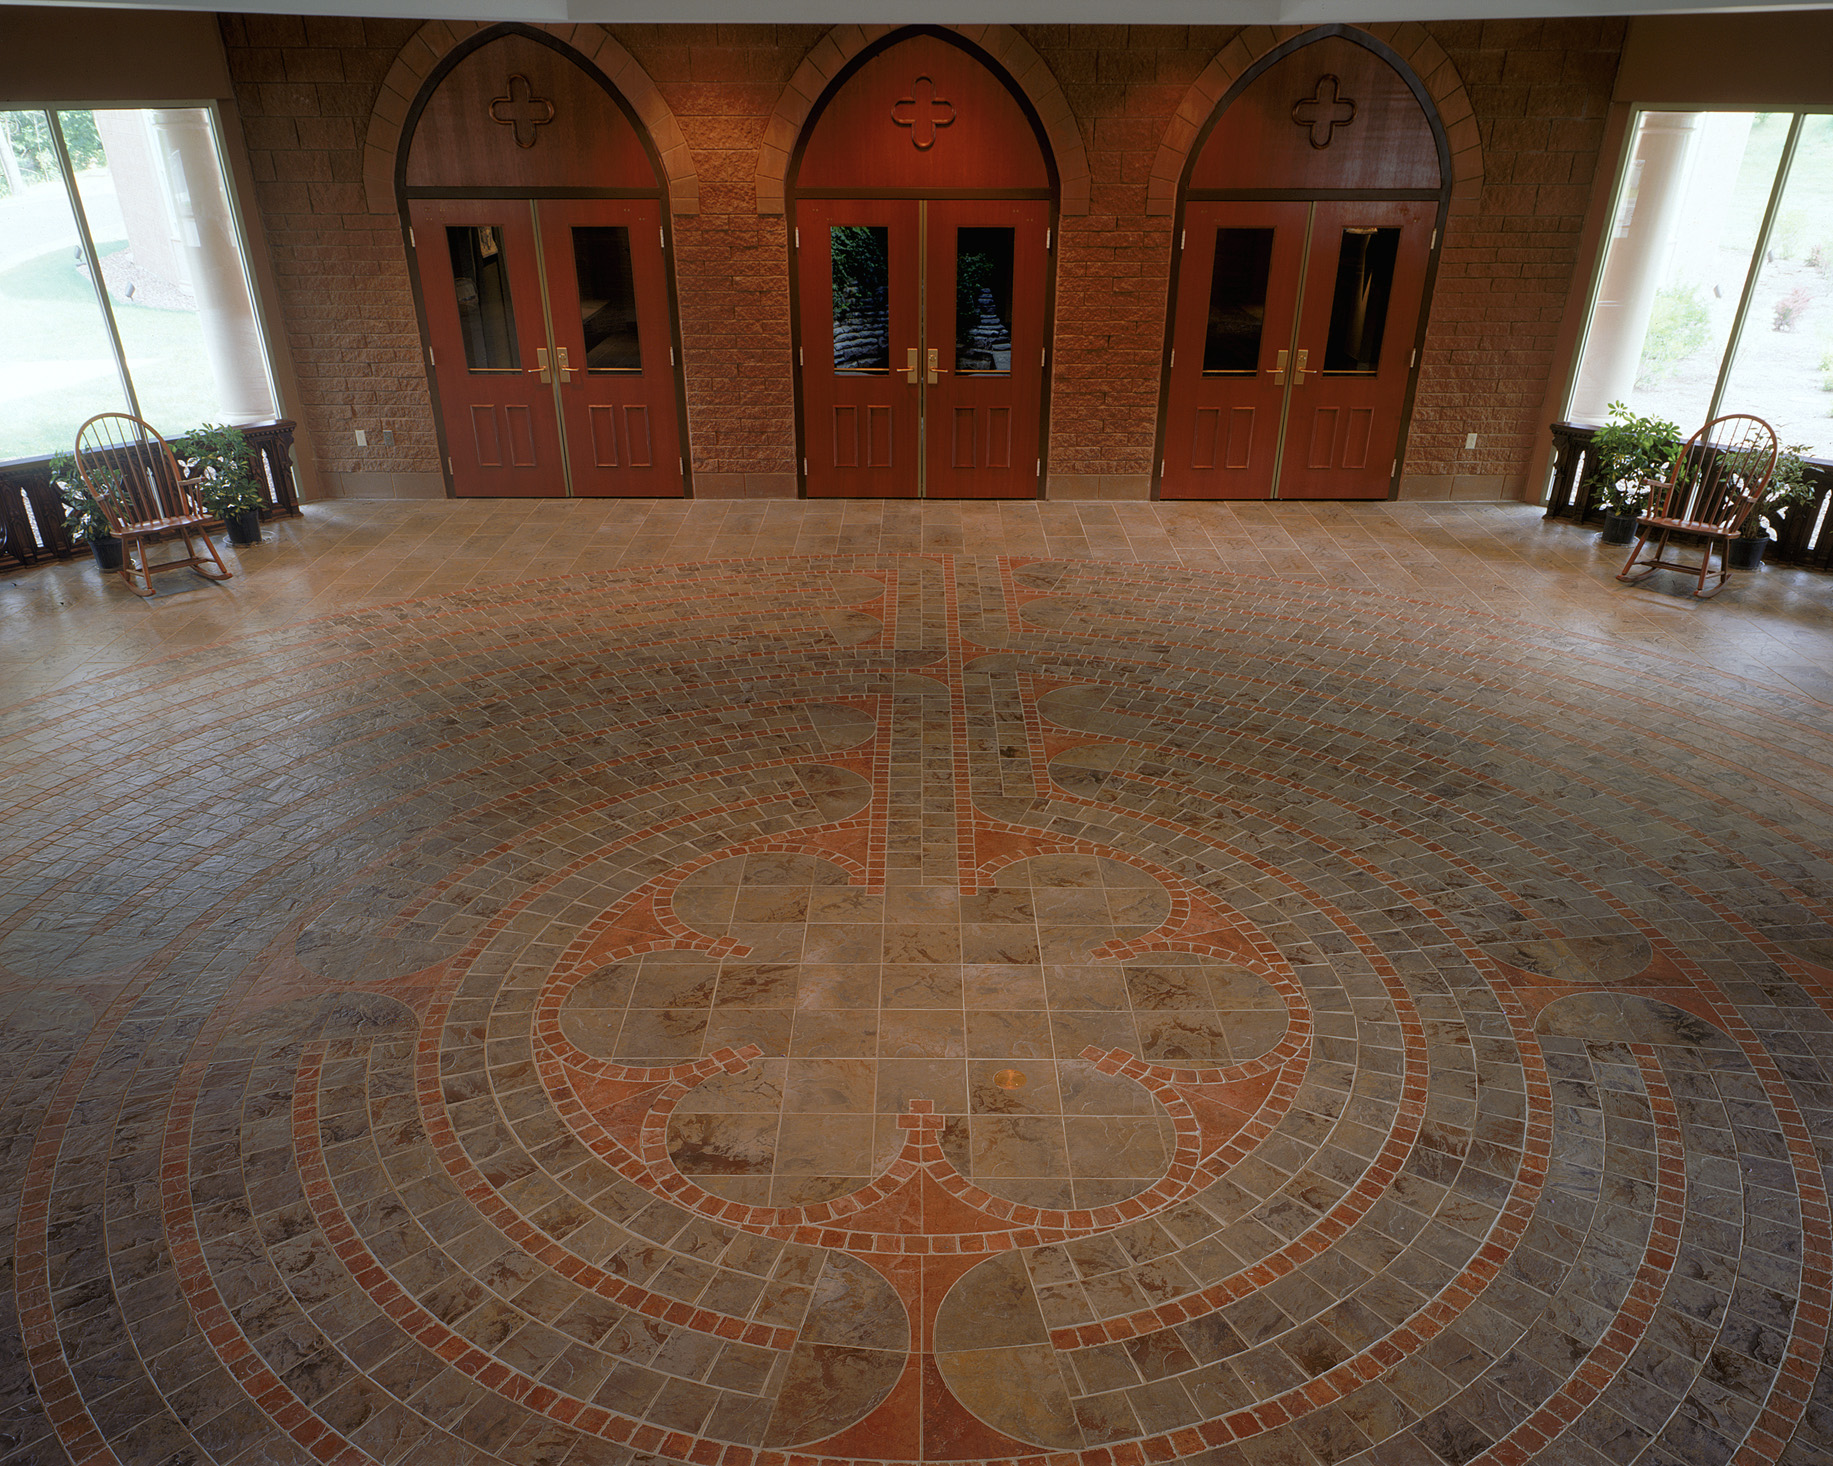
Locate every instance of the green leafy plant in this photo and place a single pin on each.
(1789, 489)
(83, 517)
(1677, 327)
(221, 454)
(1627, 455)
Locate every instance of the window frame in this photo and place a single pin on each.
(1785, 164)
(212, 109)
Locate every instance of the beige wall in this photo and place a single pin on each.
(1775, 59)
(147, 56)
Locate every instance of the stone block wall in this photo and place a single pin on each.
(306, 88)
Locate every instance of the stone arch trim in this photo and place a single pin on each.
(1411, 42)
(435, 40)
(829, 57)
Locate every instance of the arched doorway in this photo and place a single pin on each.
(1310, 220)
(922, 199)
(533, 200)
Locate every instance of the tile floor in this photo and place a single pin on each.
(791, 985)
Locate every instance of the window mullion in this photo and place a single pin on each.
(96, 280)
(1786, 162)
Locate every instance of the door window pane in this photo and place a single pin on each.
(607, 298)
(1784, 367)
(57, 365)
(983, 300)
(152, 191)
(1237, 301)
(861, 272)
(1684, 229)
(486, 314)
(1358, 308)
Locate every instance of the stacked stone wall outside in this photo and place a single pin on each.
(307, 87)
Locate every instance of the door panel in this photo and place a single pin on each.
(986, 265)
(1364, 280)
(1236, 307)
(482, 286)
(857, 281)
(608, 293)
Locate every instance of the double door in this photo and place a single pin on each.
(549, 326)
(1293, 348)
(922, 346)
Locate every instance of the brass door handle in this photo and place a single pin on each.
(910, 366)
(540, 365)
(935, 354)
(566, 372)
(1298, 371)
(1278, 369)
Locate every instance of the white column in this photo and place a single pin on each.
(232, 341)
(1639, 248)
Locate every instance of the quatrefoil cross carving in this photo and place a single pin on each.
(1324, 111)
(522, 110)
(923, 112)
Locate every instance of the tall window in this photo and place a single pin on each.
(1716, 293)
(123, 285)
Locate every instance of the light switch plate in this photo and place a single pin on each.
(1470, 440)
(362, 438)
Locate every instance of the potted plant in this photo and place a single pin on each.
(83, 517)
(1627, 457)
(229, 490)
(1788, 489)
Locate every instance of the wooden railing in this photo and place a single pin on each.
(32, 513)
(1804, 533)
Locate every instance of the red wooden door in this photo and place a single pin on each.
(1364, 278)
(984, 268)
(1237, 302)
(481, 281)
(861, 346)
(614, 355)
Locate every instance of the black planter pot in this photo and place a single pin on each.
(1748, 554)
(107, 551)
(1619, 529)
(244, 526)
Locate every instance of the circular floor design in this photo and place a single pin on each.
(920, 1008)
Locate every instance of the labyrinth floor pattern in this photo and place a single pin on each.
(917, 1007)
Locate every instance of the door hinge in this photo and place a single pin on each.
(1049, 234)
(451, 470)
(798, 236)
(681, 465)
(410, 239)
(1038, 472)
(1393, 467)
(1173, 356)
(1161, 468)
(662, 236)
(1182, 235)
(799, 359)
(429, 357)
(1043, 355)
(671, 356)
(804, 468)
(1434, 245)
(1414, 361)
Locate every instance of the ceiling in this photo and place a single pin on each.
(1145, 12)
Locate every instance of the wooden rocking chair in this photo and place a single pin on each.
(134, 478)
(1717, 482)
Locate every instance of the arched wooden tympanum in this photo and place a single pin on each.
(1310, 217)
(535, 210)
(922, 196)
